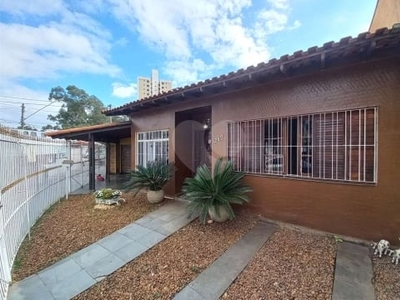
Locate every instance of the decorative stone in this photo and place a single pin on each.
(109, 201)
(396, 256)
(155, 196)
(223, 214)
(382, 247)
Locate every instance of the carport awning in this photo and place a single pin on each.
(108, 133)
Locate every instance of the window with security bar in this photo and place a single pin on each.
(152, 146)
(339, 145)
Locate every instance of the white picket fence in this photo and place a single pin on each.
(32, 178)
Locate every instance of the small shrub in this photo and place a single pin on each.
(220, 189)
(154, 176)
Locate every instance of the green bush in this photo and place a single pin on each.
(221, 189)
(154, 176)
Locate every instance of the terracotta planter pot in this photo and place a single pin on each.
(155, 196)
(223, 214)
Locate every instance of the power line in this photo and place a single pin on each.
(40, 109)
(19, 102)
(22, 98)
(8, 121)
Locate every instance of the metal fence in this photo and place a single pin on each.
(32, 178)
(79, 171)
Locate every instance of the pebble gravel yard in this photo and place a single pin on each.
(291, 265)
(169, 266)
(71, 225)
(386, 278)
(295, 263)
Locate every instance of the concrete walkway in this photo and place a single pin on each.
(214, 280)
(353, 273)
(79, 271)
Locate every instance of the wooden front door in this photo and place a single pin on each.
(125, 158)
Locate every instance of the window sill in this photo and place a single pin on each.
(316, 180)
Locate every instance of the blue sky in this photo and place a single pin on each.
(102, 46)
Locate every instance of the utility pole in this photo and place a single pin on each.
(22, 116)
(109, 107)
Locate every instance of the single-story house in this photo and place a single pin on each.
(317, 134)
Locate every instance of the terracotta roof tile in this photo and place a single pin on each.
(345, 46)
(86, 128)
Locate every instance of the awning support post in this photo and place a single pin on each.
(92, 166)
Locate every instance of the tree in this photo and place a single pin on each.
(50, 127)
(27, 127)
(78, 109)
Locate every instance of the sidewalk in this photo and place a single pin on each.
(79, 271)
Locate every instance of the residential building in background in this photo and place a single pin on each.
(152, 86)
(387, 13)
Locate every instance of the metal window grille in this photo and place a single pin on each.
(338, 145)
(151, 146)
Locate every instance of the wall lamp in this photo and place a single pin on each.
(207, 124)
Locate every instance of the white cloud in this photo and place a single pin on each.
(216, 31)
(271, 21)
(185, 72)
(279, 4)
(68, 42)
(37, 7)
(45, 40)
(124, 91)
(45, 52)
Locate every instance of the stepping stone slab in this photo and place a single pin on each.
(29, 288)
(114, 241)
(353, 273)
(214, 280)
(131, 251)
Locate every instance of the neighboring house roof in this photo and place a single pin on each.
(109, 132)
(366, 46)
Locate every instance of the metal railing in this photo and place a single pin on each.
(33, 178)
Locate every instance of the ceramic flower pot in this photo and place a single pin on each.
(223, 214)
(155, 196)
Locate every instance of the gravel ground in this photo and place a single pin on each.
(71, 225)
(291, 265)
(169, 266)
(386, 278)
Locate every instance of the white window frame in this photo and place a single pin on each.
(151, 140)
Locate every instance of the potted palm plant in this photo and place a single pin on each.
(152, 177)
(213, 194)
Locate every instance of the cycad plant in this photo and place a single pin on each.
(207, 191)
(153, 177)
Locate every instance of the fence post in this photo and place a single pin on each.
(3, 250)
(82, 163)
(25, 156)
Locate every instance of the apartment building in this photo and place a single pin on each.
(152, 86)
(387, 14)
